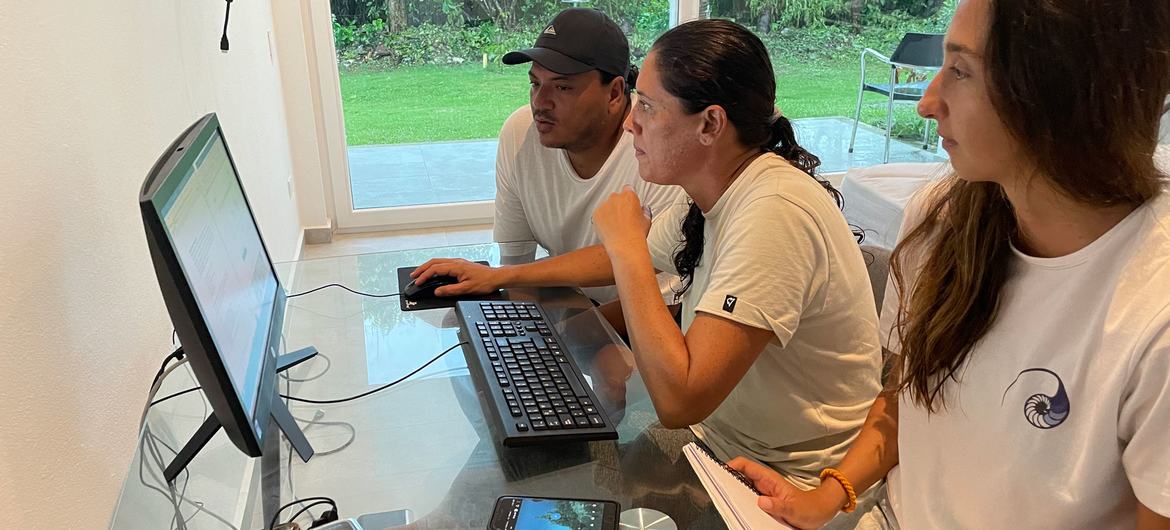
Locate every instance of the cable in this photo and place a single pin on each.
(348, 426)
(306, 508)
(153, 451)
(158, 379)
(276, 515)
(376, 390)
(223, 41)
(162, 370)
(386, 295)
(175, 395)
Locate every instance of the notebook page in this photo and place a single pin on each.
(734, 501)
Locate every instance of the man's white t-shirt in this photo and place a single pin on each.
(540, 198)
(1061, 417)
(778, 255)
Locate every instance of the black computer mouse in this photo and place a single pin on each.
(427, 289)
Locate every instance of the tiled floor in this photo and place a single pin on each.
(434, 173)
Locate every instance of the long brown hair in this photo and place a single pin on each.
(1081, 83)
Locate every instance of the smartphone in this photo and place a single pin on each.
(535, 513)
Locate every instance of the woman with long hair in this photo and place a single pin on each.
(1029, 318)
(777, 356)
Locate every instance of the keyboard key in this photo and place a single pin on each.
(542, 389)
(576, 384)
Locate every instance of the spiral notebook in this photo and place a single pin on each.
(732, 494)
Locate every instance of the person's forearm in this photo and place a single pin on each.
(1148, 519)
(873, 453)
(659, 346)
(586, 267)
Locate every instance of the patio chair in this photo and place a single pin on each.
(917, 51)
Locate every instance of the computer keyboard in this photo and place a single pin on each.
(535, 392)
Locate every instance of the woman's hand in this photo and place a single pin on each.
(621, 221)
(473, 277)
(787, 503)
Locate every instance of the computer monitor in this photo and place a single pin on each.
(220, 289)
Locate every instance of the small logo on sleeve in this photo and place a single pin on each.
(729, 304)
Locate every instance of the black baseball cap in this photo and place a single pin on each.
(576, 41)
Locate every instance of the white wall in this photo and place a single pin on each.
(305, 101)
(93, 91)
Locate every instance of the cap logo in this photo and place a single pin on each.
(550, 30)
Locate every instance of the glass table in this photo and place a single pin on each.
(423, 446)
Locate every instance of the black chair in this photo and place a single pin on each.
(917, 51)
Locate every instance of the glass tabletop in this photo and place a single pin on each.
(424, 445)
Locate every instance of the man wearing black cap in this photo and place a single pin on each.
(562, 155)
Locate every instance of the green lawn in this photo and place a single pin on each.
(438, 103)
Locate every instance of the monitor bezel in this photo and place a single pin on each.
(245, 428)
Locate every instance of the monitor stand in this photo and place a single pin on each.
(288, 425)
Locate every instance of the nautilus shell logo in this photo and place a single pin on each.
(1043, 411)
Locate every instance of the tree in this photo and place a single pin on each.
(396, 15)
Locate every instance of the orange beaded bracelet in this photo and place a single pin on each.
(840, 478)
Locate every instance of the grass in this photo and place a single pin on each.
(441, 103)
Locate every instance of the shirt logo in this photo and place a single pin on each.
(550, 30)
(1041, 410)
(729, 303)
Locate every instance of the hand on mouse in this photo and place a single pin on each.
(473, 277)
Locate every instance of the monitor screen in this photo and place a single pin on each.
(220, 251)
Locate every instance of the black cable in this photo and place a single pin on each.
(331, 401)
(223, 41)
(173, 356)
(175, 395)
(387, 295)
(306, 508)
(379, 389)
(276, 515)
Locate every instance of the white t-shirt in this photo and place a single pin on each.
(1062, 415)
(540, 198)
(778, 255)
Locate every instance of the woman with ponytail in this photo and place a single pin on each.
(1029, 308)
(777, 356)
